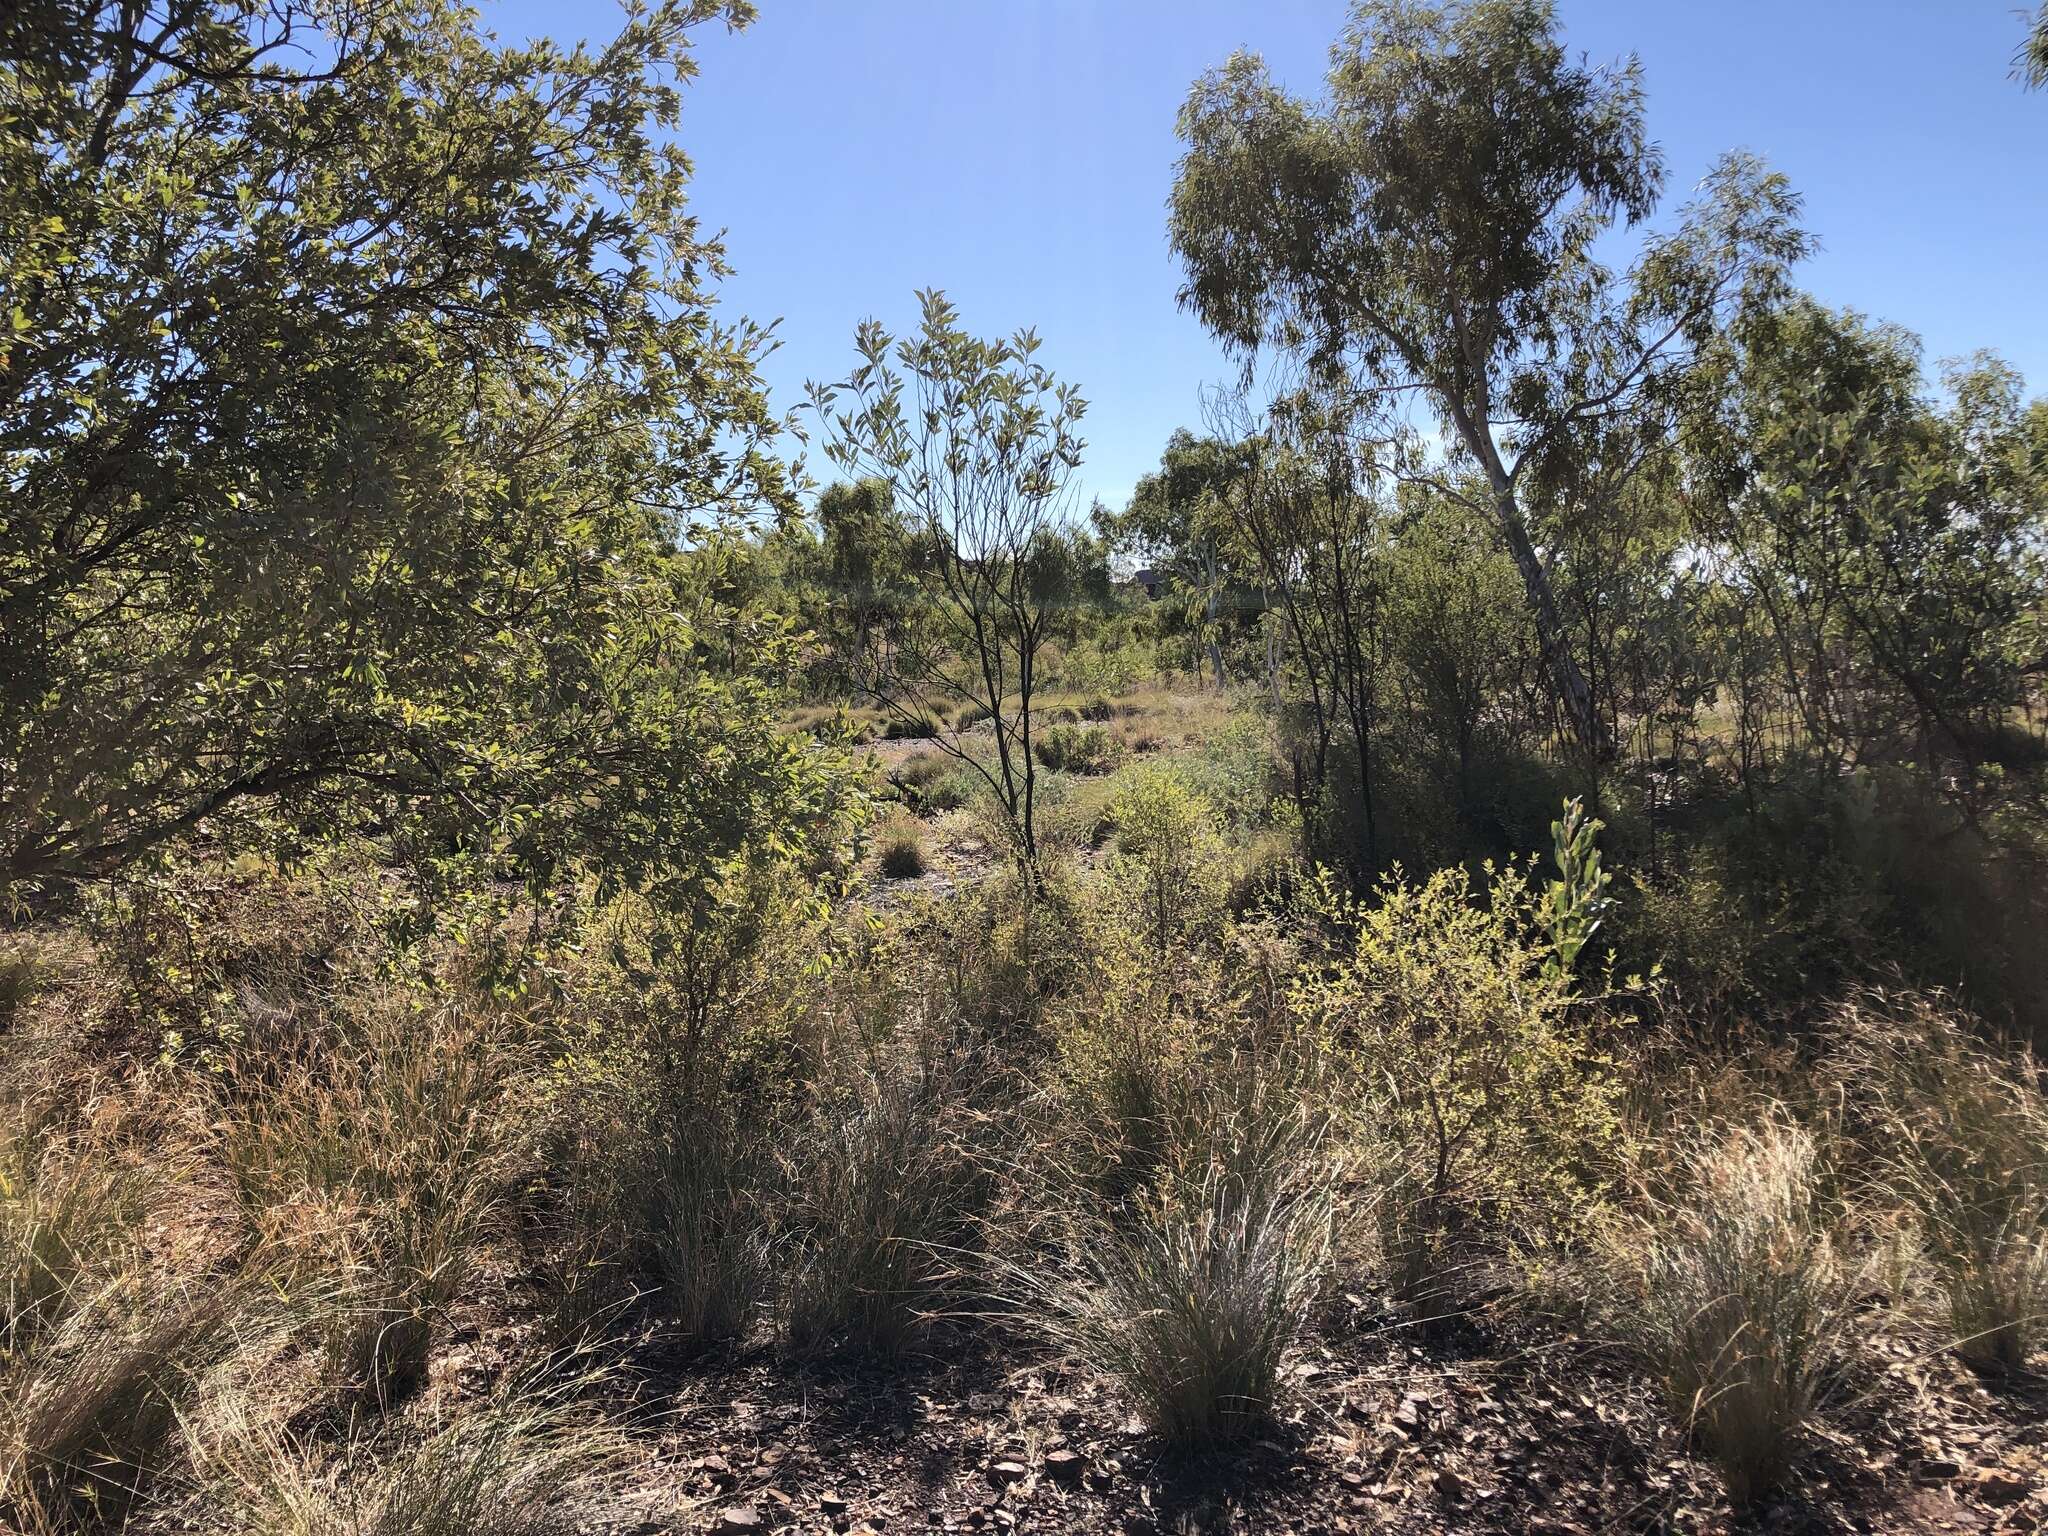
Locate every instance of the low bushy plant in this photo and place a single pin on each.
(1189, 1297)
(1738, 1296)
(1168, 865)
(902, 855)
(1489, 1110)
(370, 1173)
(522, 1465)
(1078, 749)
(886, 1189)
(1956, 1131)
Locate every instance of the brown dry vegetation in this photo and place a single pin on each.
(1181, 1191)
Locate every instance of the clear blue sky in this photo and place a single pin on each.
(1018, 154)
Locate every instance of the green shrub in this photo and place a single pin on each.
(920, 770)
(1492, 1117)
(1738, 1298)
(1080, 749)
(1168, 864)
(1236, 768)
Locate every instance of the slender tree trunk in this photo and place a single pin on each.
(1573, 692)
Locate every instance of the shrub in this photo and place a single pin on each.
(1168, 860)
(1189, 1298)
(920, 770)
(1264, 872)
(1490, 1115)
(1080, 749)
(1235, 769)
(1738, 1298)
(1125, 1077)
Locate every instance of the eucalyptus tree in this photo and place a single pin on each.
(1179, 520)
(977, 443)
(1312, 509)
(2031, 64)
(1428, 232)
(1896, 542)
(357, 376)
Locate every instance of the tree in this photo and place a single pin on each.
(977, 444)
(1896, 546)
(2031, 64)
(1178, 520)
(1311, 508)
(1457, 631)
(1428, 232)
(866, 569)
(357, 376)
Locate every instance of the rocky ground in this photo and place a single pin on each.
(1388, 1428)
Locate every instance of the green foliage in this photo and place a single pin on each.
(1574, 904)
(1426, 232)
(1888, 542)
(1084, 749)
(1168, 863)
(307, 537)
(2031, 63)
(1493, 1115)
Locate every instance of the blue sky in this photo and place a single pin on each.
(1018, 154)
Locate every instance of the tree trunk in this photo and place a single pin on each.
(1569, 683)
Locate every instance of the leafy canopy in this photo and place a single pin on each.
(357, 378)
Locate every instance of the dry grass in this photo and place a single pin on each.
(1739, 1298)
(1956, 1133)
(369, 1172)
(887, 1186)
(902, 855)
(525, 1464)
(91, 1408)
(1189, 1296)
